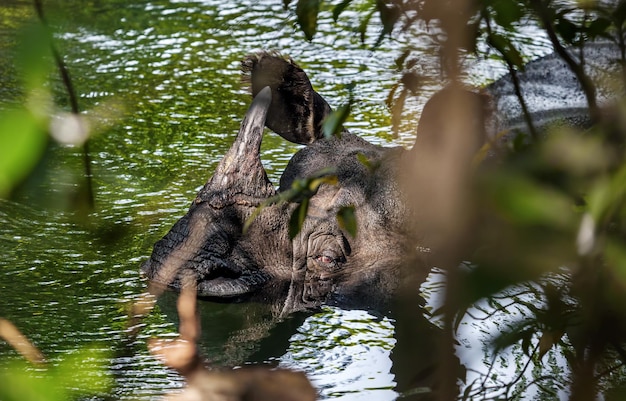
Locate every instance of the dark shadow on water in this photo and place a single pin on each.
(239, 333)
(235, 334)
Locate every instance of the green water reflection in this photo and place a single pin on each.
(160, 80)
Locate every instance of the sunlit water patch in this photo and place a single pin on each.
(509, 373)
(346, 354)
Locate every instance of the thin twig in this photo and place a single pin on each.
(586, 84)
(516, 85)
(73, 99)
(20, 343)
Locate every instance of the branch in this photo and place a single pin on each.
(20, 343)
(71, 93)
(516, 83)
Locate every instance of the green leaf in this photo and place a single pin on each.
(520, 331)
(333, 124)
(401, 59)
(566, 29)
(82, 373)
(364, 160)
(389, 15)
(347, 219)
(530, 203)
(363, 25)
(606, 195)
(338, 9)
(297, 218)
(547, 340)
(301, 191)
(412, 81)
(396, 112)
(507, 49)
(615, 254)
(598, 27)
(22, 143)
(619, 14)
(315, 183)
(307, 11)
(34, 57)
(506, 13)
(467, 392)
(526, 342)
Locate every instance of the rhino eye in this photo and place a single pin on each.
(329, 260)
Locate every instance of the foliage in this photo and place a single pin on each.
(81, 373)
(553, 216)
(556, 202)
(23, 135)
(300, 192)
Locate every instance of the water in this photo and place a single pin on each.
(165, 77)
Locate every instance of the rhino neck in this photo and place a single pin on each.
(240, 177)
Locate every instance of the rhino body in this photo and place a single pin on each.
(326, 263)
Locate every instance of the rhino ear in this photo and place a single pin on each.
(297, 111)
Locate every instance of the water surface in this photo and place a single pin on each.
(162, 78)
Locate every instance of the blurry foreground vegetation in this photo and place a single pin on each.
(552, 217)
(549, 221)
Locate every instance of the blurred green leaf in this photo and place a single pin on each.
(338, 9)
(619, 13)
(364, 160)
(396, 111)
(506, 13)
(80, 374)
(34, 57)
(84, 372)
(607, 195)
(506, 47)
(23, 140)
(566, 29)
(301, 189)
(307, 11)
(347, 219)
(364, 23)
(297, 218)
(520, 331)
(548, 340)
(526, 202)
(399, 61)
(389, 15)
(412, 81)
(598, 27)
(575, 153)
(333, 124)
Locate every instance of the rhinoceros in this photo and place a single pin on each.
(325, 262)
(237, 239)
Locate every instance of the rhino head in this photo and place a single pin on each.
(325, 263)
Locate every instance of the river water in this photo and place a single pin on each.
(165, 76)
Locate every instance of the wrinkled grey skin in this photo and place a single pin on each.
(324, 264)
(551, 90)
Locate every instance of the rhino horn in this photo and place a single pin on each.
(240, 174)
